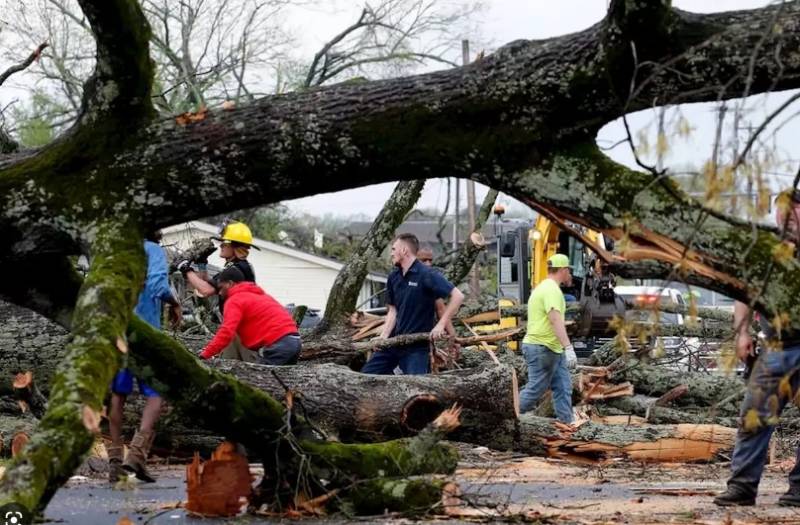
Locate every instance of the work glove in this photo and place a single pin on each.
(185, 266)
(572, 359)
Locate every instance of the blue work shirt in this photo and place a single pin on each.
(156, 285)
(414, 296)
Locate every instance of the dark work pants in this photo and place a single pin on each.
(284, 351)
(412, 361)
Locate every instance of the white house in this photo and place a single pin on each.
(287, 274)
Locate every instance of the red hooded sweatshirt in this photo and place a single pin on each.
(259, 320)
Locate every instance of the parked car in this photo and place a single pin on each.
(679, 351)
(310, 320)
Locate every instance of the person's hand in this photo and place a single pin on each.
(744, 347)
(185, 266)
(572, 359)
(176, 315)
(439, 331)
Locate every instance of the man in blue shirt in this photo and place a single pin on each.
(412, 290)
(155, 292)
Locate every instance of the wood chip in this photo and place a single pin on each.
(122, 345)
(18, 443)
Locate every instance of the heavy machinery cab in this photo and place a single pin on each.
(591, 302)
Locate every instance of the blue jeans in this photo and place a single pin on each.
(765, 396)
(546, 369)
(412, 361)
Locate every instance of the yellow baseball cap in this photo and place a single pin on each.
(558, 260)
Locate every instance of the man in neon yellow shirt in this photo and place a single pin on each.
(546, 346)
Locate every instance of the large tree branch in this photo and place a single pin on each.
(500, 115)
(67, 429)
(121, 85)
(653, 222)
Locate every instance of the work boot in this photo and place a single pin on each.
(736, 496)
(136, 460)
(115, 470)
(791, 498)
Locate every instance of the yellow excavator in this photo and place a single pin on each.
(522, 255)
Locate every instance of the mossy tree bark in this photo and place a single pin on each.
(343, 296)
(522, 120)
(314, 145)
(65, 433)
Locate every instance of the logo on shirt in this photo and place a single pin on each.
(412, 283)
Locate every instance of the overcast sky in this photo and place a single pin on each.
(507, 20)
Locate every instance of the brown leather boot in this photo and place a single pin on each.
(136, 460)
(115, 470)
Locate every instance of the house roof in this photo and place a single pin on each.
(325, 262)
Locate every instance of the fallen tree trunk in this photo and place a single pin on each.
(720, 393)
(596, 442)
(646, 408)
(356, 406)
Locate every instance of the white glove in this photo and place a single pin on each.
(572, 359)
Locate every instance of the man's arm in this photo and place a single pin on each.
(559, 328)
(391, 320)
(440, 308)
(203, 287)
(456, 298)
(226, 332)
(742, 317)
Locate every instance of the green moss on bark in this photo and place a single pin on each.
(81, 381)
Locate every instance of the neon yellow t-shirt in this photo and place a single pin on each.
(545, 297)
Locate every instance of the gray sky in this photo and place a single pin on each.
(507, 20)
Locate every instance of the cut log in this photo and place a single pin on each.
(10, 427)
(598, 442)
(18, 442)
(28, 394)
(357, 406)
(646, 408)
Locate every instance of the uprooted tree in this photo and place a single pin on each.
(522, 120)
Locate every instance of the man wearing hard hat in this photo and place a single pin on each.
(546, 345)
(236, 241)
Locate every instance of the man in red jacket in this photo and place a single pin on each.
(263, 325)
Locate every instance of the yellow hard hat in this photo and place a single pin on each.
(236, 232)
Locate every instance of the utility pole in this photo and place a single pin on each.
(456, 217)
(474, 283)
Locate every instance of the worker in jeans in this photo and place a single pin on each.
(773, 382)
(546, 345)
